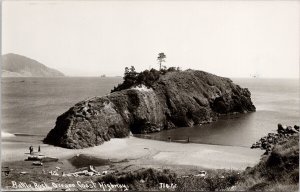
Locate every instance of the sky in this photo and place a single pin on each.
(91, 38)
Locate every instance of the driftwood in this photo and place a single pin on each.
(37, 163)
(41, 158)
(89, 172)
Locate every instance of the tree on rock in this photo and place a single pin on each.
(161, 58)
(130, 75)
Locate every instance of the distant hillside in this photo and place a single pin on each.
(14, 65)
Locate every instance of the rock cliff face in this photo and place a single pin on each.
(176, 99)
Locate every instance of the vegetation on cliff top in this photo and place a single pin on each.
(147, 77)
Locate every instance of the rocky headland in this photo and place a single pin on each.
(14, 65)
(148, 102)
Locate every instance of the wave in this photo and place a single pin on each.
(28, 135)
(6, 134)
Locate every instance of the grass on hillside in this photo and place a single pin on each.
(278, 171)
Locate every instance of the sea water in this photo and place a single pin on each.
(276, 101)
(30, 107)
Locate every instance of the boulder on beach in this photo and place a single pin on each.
(175, 99)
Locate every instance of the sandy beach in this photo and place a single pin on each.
(150, 152)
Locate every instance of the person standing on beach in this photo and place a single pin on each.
(39, 149)
(30, 149)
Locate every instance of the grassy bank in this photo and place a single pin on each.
(277, 171)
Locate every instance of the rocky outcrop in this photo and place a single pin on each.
(278, 168)
(176, 99)
(283, 133)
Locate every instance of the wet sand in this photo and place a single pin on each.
(146, 152)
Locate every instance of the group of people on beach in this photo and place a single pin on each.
(31, 149)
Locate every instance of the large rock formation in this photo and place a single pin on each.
(14, 65)
(175, 99)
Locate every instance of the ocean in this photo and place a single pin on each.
(276, 101)
(30, 107)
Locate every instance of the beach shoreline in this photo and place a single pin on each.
(145, 151)
(126, 155)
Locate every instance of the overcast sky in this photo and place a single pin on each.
(90, 38)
